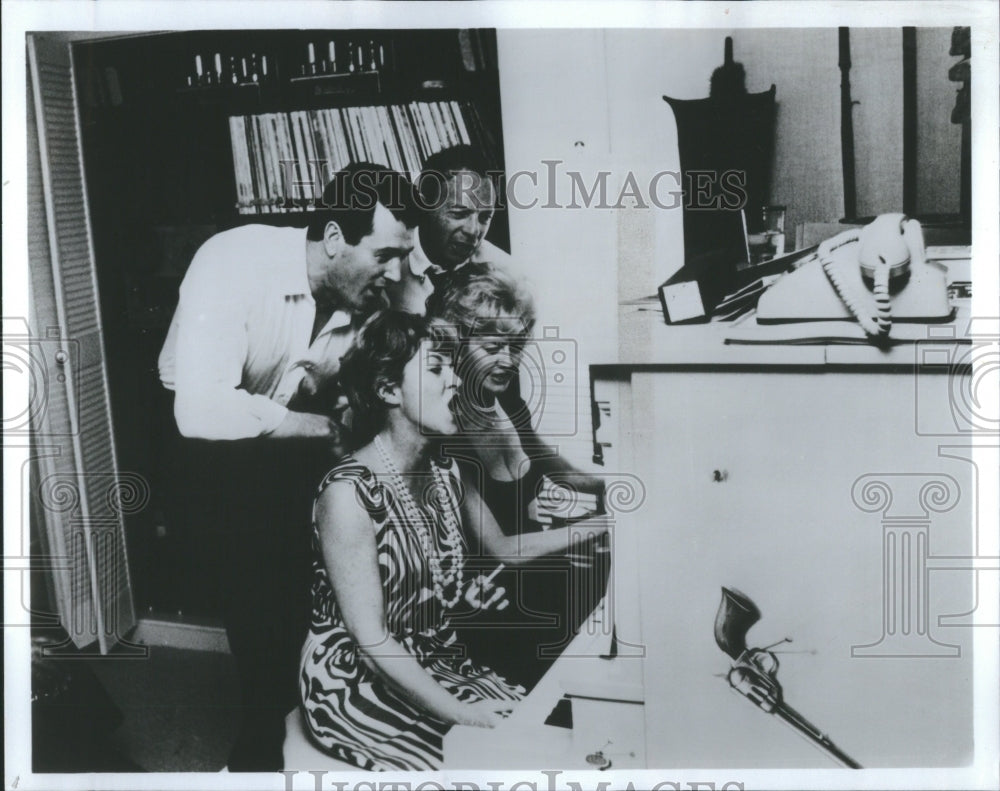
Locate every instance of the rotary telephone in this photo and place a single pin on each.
(873, 275)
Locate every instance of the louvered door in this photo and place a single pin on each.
(82, 495)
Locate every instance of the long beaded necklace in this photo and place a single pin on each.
(441, 577)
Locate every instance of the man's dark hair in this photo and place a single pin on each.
(350, 197)
(441, 166)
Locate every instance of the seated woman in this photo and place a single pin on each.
(380, 680)
(525, 484)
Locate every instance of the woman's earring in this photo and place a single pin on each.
(388, 392)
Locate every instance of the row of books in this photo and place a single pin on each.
(276, 156)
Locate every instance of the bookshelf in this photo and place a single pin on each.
(274, 154)
(209, 116)
(159, 114)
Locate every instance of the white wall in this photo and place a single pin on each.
(607, 88)
(644, 66)
(807, 177)
(592, 100)
(553, 97)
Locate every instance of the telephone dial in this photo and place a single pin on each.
(875, 275)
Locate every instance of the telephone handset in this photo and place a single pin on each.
(886, 249)
(876, 276)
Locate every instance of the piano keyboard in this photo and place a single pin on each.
(524, 740)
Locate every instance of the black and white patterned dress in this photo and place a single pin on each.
(350, 711)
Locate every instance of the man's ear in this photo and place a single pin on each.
(388, 392)
(333, 239)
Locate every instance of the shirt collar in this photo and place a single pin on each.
(295, 280)
(420, 264)
(339, 320)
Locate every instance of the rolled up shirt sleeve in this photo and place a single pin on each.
(236, 414)
(211, 350)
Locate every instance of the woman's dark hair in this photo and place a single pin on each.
(384, 345)
(352, 195)
(477, 298)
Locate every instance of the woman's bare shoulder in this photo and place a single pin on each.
(350, 498)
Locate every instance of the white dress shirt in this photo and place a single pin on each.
(241, 331)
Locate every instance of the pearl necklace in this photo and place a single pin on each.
(440, 578)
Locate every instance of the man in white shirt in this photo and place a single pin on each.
(259, 306)
(458, 200)
(263, 317)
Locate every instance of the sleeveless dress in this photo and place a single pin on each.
(550, 596)
(353, 713)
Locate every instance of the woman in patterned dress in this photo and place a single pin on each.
(381, 680)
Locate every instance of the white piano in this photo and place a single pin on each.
(836, 487)
(605, 695)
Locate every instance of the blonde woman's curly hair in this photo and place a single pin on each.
(479, 299)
